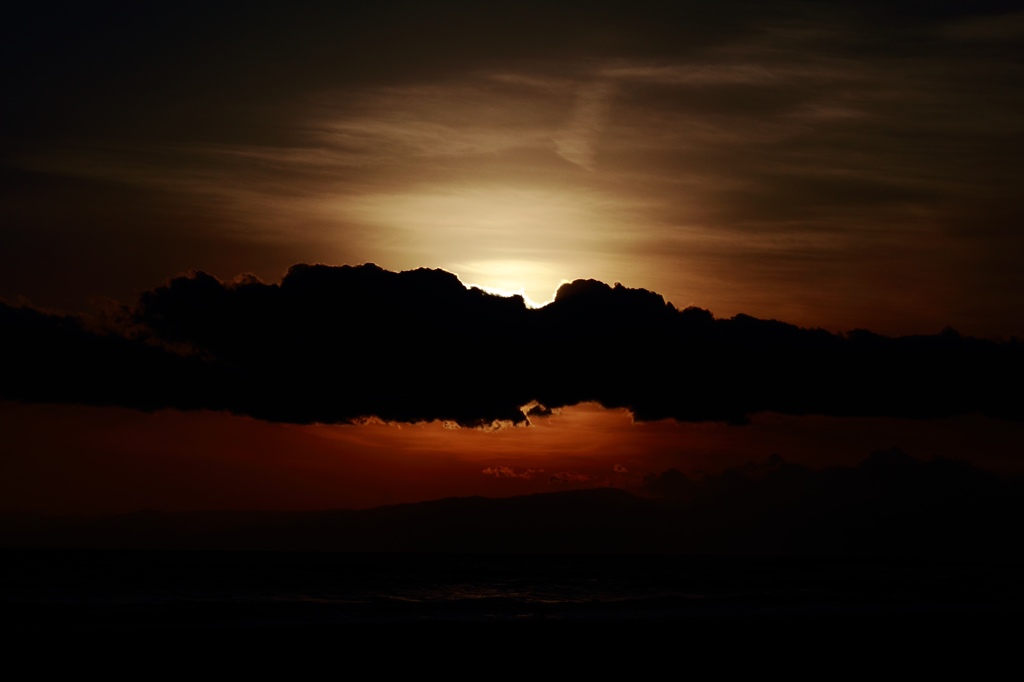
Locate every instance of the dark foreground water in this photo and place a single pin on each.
(112, 589)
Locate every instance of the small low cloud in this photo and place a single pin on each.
(509, 472)
(571, 477)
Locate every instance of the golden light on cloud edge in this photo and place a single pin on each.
(509, 240)
(510, 278)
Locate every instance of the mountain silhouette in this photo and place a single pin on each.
(889, 505)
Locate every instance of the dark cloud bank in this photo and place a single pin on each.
(338, 344)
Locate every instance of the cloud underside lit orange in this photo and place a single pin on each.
(62, 459)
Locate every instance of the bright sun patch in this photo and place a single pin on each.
(506, 240)
(512, 278)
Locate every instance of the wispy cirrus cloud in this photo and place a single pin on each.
(759, 159)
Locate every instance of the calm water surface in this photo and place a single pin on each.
(77, 589)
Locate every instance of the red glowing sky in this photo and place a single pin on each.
(86, 460)
(829, 166)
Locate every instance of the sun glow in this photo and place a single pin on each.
(508, 240)
(512, 278)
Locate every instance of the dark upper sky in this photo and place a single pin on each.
(829, 164)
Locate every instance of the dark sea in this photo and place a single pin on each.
(161, 590)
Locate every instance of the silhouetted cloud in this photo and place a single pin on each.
(538, 411)
(339, 344)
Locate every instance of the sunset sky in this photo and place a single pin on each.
(833, 165)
